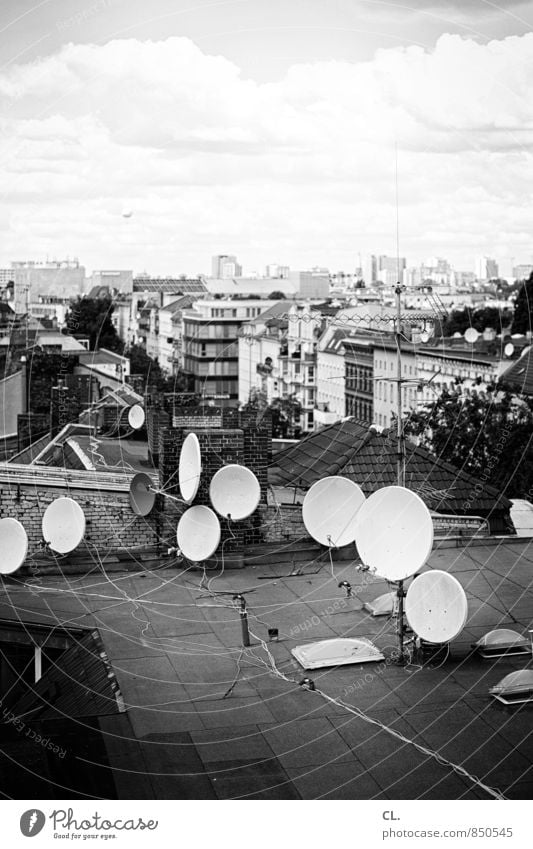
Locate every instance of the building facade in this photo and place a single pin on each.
(210, 351)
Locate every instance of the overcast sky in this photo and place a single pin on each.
(265, 128)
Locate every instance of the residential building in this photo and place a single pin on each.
(210, 352)
(385, 373)
(298, 368)
(330, 377)
(262, 343)
(225, 266)
(169, 346)
(277, 271)
(390, 269)
(523, 271)
(31, 279)
(121, 281)
(359, 377)
(486, 268)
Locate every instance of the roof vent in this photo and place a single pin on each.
(339, 651)
(383, 605)
(515, 689)
(503, 642)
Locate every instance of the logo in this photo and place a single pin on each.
(32, 822)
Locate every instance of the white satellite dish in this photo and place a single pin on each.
(190, 468)
(136, 417)
(235, 492)
(338, 651)
(394, 533)
(329, 510)
(471, 335)
(63, 525)
(198, 533)
(13, 545)
(436, 607)
(509, 349)
(425, 336)
(142, 494)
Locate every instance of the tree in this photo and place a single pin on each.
(276, 296)
(284, 411)
(489, 436)
(523, 308)
(154, 377)
(460, 320)
(91, 317)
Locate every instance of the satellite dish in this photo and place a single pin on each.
(329, 510)
(63, 525)
(142, 495)
(14, 545)
(471, 335)
(235, 492)
(394, 532)
(509, 349)
(127, 212)
(425, 336)
(436, 607)
(136, 417)
(190, 468)
(198, 533)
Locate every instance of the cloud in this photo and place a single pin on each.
(273, 168)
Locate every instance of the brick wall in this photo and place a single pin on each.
(243, 438)
(284, 523)
(111, 525)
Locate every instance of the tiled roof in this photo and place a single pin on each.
(367, 457)
(182, 303)
(519, 376)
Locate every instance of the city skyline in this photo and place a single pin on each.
(155, 141)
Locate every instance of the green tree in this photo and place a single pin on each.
(489, 435)
(523, 308)
(276, 296)
(91, 317)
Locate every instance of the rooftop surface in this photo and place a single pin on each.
(209, 719)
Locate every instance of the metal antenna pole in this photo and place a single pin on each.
(400, 456)
(400, 444)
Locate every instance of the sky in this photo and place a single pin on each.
(267, 129)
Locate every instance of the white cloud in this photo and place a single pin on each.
(301, 170)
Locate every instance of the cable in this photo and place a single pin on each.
(496, 794)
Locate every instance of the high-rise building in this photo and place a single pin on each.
(224, 266)
(486, 268)
(523, 271)
(390, 269)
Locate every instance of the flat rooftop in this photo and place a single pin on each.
(207, 719)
